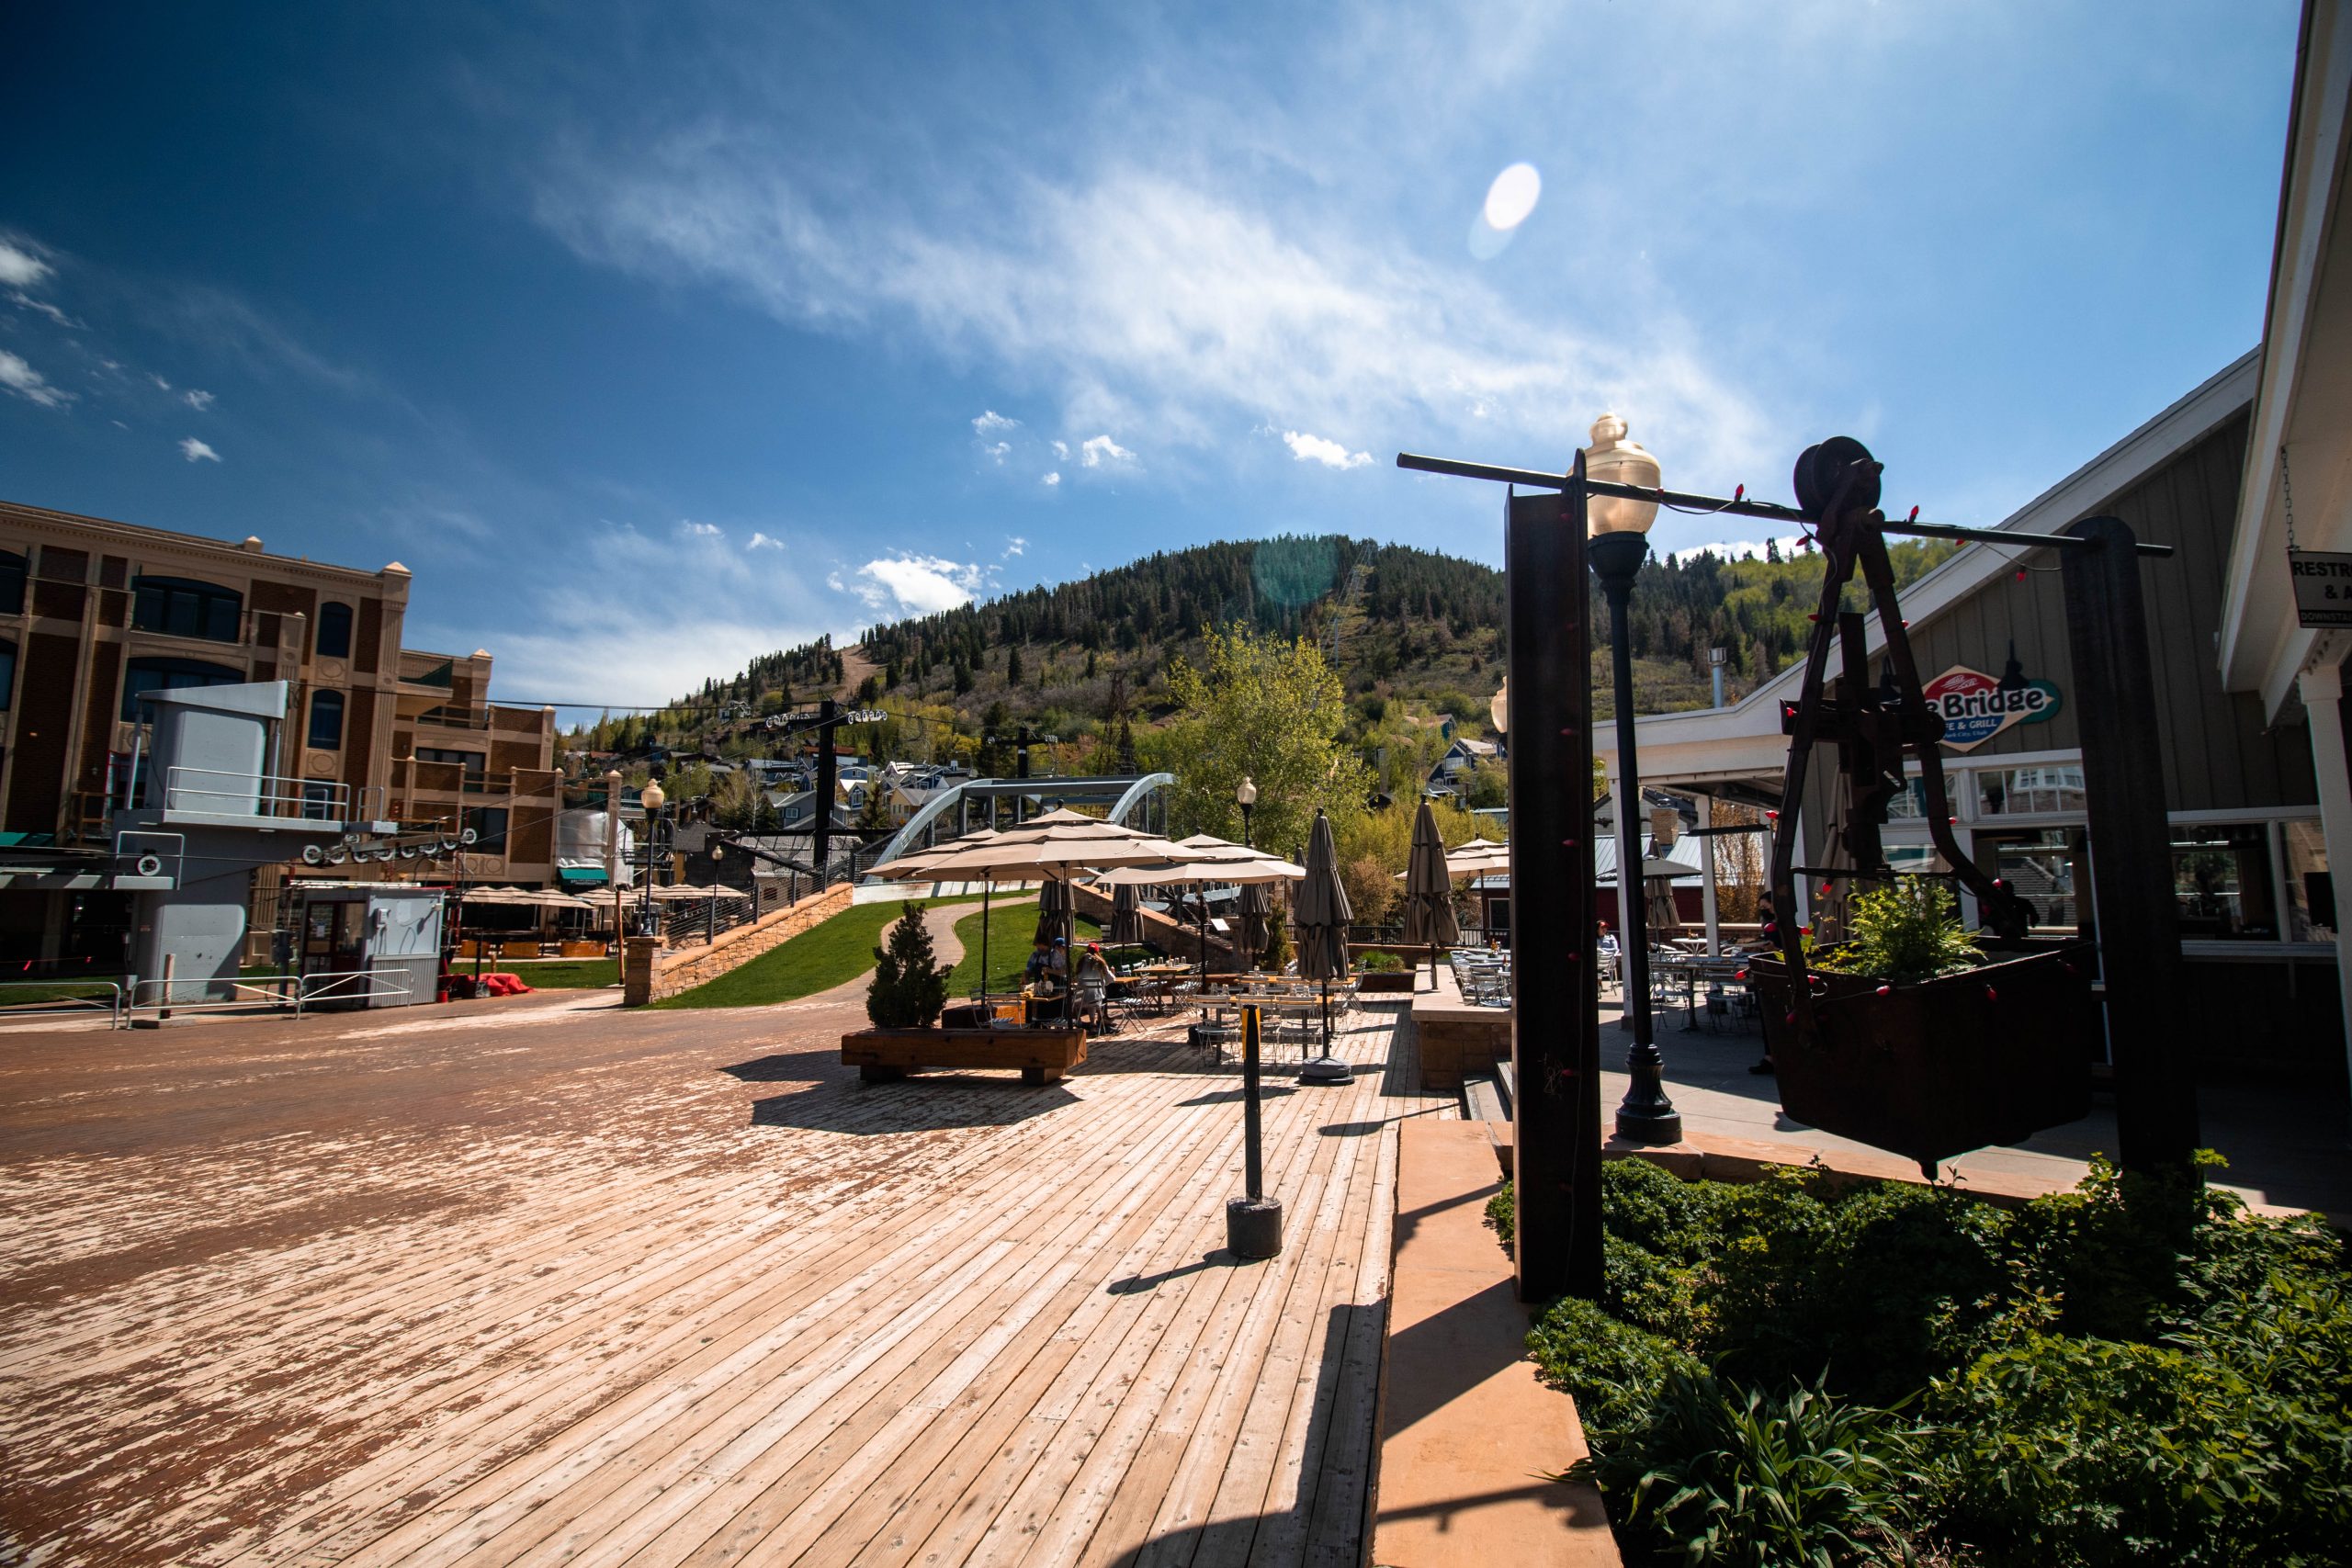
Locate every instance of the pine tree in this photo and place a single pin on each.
(1012, 666)
(908, 990)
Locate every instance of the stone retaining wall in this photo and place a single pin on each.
(1457, 1039)
(681, 969)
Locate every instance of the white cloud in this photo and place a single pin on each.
(1734, 549)
(195, 451)
(1051, 479)
(1013, 545)
(999, 450)
(1098, 450)
(764, 542)
(920, 585)
(1152, 301)
(198, 401)
(990, 422)
(159, 381)
(20, 267)
(29, 384)
(1318, 449)
(695, 530)
(17, 297)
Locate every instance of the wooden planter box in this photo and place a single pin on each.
(1392, 980)
(1041, 1055)
(1936, 1069)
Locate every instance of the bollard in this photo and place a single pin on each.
(1254, 1223)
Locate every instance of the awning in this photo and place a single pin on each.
(580, 876)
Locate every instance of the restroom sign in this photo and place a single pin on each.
(1975, 707)
(2322, 588)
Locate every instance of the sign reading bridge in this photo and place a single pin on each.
(1975, 707)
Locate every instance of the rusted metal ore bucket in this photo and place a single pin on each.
(1936, 1069)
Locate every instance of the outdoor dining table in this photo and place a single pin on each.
(1696, 977)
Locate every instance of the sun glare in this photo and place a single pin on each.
(1512, 195)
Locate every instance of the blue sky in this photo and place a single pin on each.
(652, 337)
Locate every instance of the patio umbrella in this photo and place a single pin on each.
(1054, 908)
(1255, 921)
(1319, 915)
(1204, 858)
(1429, 890)
(1127, 916)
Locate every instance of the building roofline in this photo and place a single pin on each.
(133, 534)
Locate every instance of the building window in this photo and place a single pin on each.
(470, 763)
(488, 823)
(1909, 804)
(8, 674)
(2220, 879)
(2019, 791)
(319, 802)
(2047, 867)
(326, 720)
(2311, 891)
(143, 676)
(334, 639)
(179, 606)
(12, 583)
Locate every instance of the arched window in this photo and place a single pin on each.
(12, 583)
(143, 676)
(180, 606)
(334, 640)
(326, 720)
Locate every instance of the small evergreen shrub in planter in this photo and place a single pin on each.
(1791, 1371)
(908, 988)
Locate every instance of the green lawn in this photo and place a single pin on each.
(1011, 928)
(840, 950)
(44, 993)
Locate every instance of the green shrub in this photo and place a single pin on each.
(1710, 1473)
(1502, 1214)
(908, 990)
(1907, 931)
(1379, 963)
(1610, 1369)
(1645, 1203)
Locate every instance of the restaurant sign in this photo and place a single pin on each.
(1975, 707)
(2322, 588)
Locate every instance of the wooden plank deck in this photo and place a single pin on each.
(554, 1284)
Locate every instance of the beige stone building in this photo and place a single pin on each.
(93, 612)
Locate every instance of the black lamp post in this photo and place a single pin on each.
(1245, 795)
(1619, 543)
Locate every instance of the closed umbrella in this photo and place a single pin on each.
(1319, 917)
(1053, 905)
(1127, 917)
(1252, 918)
(1429, 891)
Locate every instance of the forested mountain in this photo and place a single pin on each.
(1413, 634)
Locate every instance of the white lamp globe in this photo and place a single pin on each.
(1498, 709)
(1246, 792)
(651, 797)
(1614, 459)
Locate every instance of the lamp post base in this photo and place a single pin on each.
(1649, 1127)
(1253, 1227)
(1647, 1115)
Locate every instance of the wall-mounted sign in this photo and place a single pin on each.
(1977, 707)
(2322, 588)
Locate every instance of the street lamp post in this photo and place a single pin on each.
(650, 798)
(1245, 795)
(1619, 529)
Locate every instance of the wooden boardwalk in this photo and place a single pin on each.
(559, 1284)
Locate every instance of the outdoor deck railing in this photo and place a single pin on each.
(100, 995)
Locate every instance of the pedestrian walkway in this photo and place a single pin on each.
(655, 1288)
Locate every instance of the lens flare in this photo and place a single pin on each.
(1512, 195)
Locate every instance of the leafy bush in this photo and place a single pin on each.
(908, 990)
(1379, 963)
(2136, 1371)
(1502, 1214)
(1710, 1473)
(1907, 931)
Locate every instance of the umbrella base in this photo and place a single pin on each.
(1327, 1071)
(1253, 1227)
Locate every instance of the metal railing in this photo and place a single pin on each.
(353, 985)
(254, 795)
(262, 993)
(104, 996)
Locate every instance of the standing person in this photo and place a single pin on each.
(1091, 988)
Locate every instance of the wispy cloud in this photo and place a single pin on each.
(1014, 544)
(160, 383)
(197, 451)
(1061, 450)
(1738, 549)
(197, 400)
(1050, 480)
(25, 301)
(997, 451)
(764, 542)
(20, 266)
(29, 384)
(916, 584)
(990, 422)
(694, 530)
(1097, 450)
(1319, 449)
